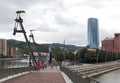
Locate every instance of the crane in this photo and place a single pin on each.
(32, 36)
(19, 22)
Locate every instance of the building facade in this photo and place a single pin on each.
(7, 50)
(93, 33)
(11, 52)
(3, 47)
(112, 44)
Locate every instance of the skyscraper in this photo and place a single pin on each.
(93, 33)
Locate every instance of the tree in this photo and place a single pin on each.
(90, 57)
(80, 55)
(58, 55)
(69, 55)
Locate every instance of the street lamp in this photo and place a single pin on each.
(64, 52)
(98, 55)
(106, 57)
(50, 59)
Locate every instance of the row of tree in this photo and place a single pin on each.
(85, 56)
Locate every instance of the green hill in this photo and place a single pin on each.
(41, 47)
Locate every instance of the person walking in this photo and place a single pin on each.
(38, 64)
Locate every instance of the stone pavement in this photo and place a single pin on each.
(43, 76)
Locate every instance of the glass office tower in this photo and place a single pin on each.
(93, 33)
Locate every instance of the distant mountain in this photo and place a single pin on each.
(70, 47)
(42, 47)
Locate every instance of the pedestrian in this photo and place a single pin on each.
(38, 64)
(43, 66)
(51, 66)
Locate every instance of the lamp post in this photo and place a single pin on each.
(106, 58)
(117, 54)
(64, 52)
(50, 59)
(98, 56)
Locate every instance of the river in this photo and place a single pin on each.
(13, 63)
(110, 77)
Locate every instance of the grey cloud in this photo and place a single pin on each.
(65, 21)
(77, 35)
(6, 17)
(104, 33)
(6, 13)
(9, 7)
(47, 3)
(24, 3)
(92, 3)
(80, 39)
(6, 28)
(54, 7)
(45, 28)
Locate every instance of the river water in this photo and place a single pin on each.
(13, 63)
(110, 77)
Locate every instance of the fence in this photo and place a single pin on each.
(12, 71)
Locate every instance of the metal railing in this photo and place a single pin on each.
(12, 71)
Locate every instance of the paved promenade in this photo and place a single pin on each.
(43, 76)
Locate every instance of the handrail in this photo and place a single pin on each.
(12, 71)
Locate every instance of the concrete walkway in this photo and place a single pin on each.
(43, 76)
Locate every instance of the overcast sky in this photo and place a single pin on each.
(56, 20)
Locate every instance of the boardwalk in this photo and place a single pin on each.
(43, 76)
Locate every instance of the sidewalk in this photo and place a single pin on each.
(43, 76)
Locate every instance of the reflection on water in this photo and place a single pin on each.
(111, 77)
(12, 63)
